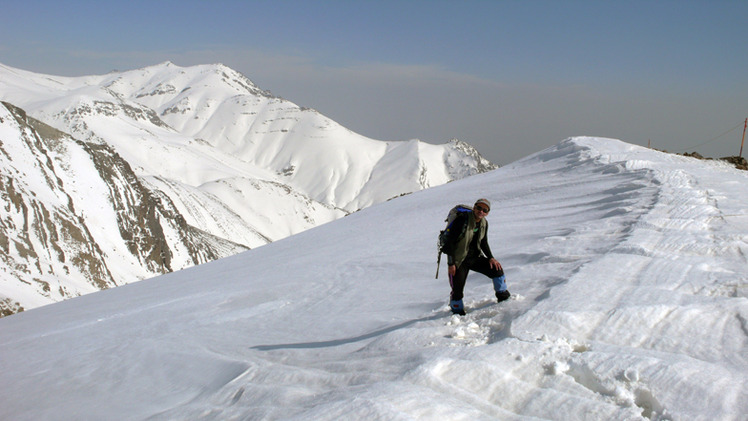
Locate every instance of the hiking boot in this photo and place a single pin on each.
(503, 295)
(457, 307)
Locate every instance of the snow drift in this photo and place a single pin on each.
(627, 268)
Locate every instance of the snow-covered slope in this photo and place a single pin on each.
(75, 219)
(229, 166)
(627, 268)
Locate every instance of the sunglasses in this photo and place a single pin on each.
(482, 209)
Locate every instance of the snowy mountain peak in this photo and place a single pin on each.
(194, 163)
(168, 79)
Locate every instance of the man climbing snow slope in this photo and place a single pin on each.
(466, 247)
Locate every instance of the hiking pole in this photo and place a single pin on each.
(438, 261)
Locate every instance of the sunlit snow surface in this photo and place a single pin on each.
(628, 273)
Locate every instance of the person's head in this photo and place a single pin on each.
(481, 208)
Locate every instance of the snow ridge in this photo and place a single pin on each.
(629, 301)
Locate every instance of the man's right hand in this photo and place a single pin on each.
(452, 270)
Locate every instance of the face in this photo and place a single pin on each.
(480, 211)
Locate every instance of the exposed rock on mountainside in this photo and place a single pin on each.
(54, 239)
(469, 160)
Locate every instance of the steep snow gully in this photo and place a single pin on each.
(626, 265)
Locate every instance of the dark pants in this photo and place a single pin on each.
(476, 264)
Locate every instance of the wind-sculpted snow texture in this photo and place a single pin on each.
(628, 273)
(165, 167)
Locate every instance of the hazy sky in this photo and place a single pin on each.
(509, 77)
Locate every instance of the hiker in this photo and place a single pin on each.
(466, 246)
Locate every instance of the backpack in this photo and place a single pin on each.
(442, 242)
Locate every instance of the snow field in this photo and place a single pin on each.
(626, 265)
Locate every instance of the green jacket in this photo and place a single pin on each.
(460, 243)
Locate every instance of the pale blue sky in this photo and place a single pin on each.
(510, 77)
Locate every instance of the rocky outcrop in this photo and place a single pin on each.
(470, 161)
(738, 161)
